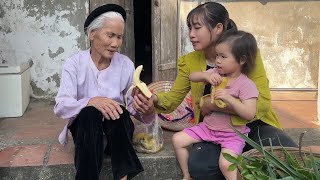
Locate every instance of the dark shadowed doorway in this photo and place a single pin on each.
(142, 36)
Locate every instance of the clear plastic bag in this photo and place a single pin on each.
(148, 138)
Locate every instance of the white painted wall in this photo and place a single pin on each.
(45, 32)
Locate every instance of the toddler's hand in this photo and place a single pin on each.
(214, 79)
(223, 95)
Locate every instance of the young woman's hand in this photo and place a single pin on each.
(108, 107)
(207, 107)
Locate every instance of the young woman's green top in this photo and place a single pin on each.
(195, 61)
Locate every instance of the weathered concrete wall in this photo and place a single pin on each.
(287, 33)
(46, 32)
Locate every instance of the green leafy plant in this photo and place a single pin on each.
(270, 163)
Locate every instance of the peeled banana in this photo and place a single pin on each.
(202, 100)
(218, 102)
(139, 84)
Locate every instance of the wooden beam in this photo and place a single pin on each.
(318, 102)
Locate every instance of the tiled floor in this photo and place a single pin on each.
(296, 109)
(31, 140)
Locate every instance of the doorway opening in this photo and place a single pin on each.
(143, 40)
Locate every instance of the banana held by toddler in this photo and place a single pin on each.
(222, 85)
(218, 102)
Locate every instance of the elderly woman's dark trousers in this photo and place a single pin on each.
(204, 157)
(88, 131)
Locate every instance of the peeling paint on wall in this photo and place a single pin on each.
(287, 34)
(56, 79)
(1, 12)
(46, 32)
(53, 55)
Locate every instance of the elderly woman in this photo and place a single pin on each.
(91, 97)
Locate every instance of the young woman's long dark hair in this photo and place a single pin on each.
(211, 13)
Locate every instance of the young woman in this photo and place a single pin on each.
(236, 54)
(206, 23)
(92, 96)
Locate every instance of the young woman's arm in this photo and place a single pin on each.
(166, 102)
(259, 76)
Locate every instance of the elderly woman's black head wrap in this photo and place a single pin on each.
(103, 9)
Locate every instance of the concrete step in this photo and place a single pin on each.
(158, 168)
(29, 150)
(161, 166)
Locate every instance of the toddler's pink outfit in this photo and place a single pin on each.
(216, 127)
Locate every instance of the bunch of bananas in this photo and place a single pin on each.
(146, 143)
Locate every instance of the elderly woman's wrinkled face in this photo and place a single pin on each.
(108, 39)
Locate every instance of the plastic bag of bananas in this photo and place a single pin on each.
(148, 138)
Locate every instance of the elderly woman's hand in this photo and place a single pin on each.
(141, 103)
(108, 107)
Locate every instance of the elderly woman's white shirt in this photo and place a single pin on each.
(81, 81)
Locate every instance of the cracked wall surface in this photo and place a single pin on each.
(45, 32)
(287, 33)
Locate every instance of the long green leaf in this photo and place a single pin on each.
(244, 172)
(232, 167)
(270, 157)
(261, 176)
(271, 173)
(288, 178)
(292, 161)
(249, 177)
(281, 173)
(251, 167)
(230, 158)
(307, 173)
(249, 158)
(314, 166)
